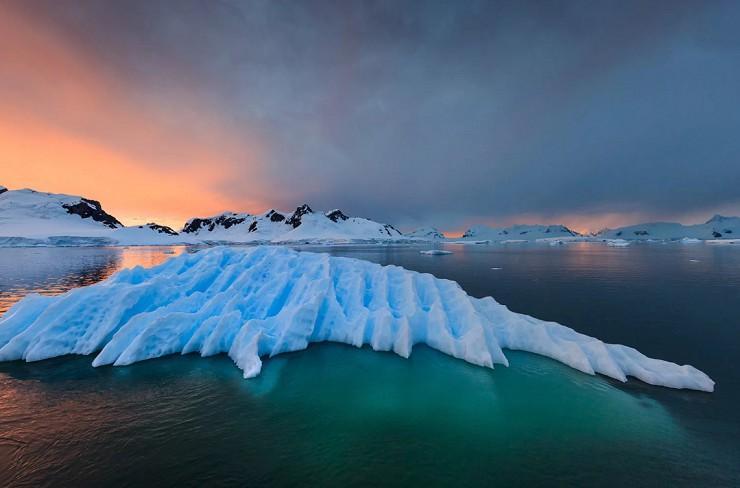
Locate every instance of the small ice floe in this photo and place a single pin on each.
(694, 261)
(435, 252)
(468, 242)
(690, 240)
(496, 268)
(723, 242)
(617, 243)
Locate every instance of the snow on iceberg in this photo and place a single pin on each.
(690, 240)
(617, 242)
(262, 301)
(435, 252)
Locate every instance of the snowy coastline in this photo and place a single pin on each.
(29, 218)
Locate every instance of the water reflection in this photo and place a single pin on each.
(52, 271)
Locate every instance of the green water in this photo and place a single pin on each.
(336, 415)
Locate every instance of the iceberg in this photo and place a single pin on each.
(435, 252)
(617, 242)
(690, 240)
(252, 303)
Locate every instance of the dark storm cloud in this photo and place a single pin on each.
(438, 112)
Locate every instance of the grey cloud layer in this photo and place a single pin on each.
(433, 112)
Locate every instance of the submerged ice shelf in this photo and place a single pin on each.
(262, 301)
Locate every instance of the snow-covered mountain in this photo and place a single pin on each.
(31, 213)
(426, 233)
(301, 225)
(718, 227)
(29, 217)
(518, 232)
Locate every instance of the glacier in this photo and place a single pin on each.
(252, 303)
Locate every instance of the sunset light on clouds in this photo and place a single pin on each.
(69, 124)
(438, 116)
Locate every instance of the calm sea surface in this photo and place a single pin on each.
(335, 415)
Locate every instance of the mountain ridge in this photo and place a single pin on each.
(519, 231)
(301, 224)
(718, 227)
(30, 217)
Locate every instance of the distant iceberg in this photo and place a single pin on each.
(617, 242)
(262, 301)
(691, 240)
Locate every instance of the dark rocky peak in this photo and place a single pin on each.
(390, 230)
(560, 228)
(295, 219)
(226, 221)
(162, 229)
(275, 216)
(569, 231)
(194, 225)
(2, 189)
(336, 215)
(91, 209)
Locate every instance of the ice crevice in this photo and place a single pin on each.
(252, 303)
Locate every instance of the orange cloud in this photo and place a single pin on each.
(68, 124)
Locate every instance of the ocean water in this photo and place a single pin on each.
(334, 415)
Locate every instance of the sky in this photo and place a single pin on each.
(586, 113)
